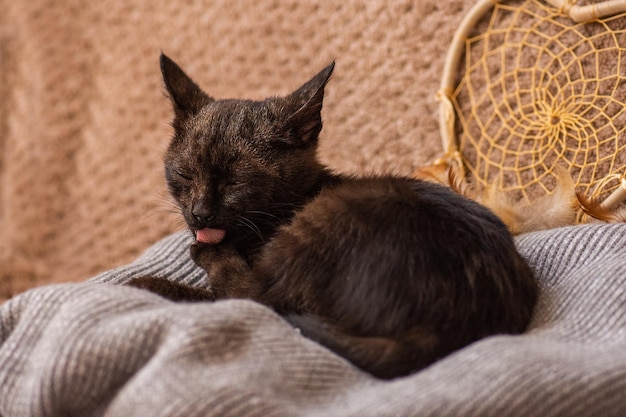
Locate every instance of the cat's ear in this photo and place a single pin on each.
(305, 123)
(186, 96)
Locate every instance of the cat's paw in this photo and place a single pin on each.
(204, 255)
(215, 257)
(229, 274)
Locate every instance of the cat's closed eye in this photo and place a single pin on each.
(184, 176)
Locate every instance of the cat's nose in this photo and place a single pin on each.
(201, 213)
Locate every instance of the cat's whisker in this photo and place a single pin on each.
(163, 206)
(286, 204)
(244, 221)
(163, 211)
(265, 214)
(175, 221)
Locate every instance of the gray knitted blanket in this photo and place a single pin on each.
(97, 348)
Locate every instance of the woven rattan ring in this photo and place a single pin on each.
(529, 87)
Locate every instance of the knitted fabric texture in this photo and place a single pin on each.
(93, 349)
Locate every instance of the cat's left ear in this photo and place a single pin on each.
(305, 123)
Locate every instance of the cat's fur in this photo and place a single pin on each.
(390, 272)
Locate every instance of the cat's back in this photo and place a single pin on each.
(400, 247)
(389, 213)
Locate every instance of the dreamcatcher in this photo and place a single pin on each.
(542, 86)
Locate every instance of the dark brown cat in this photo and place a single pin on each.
(392, 273)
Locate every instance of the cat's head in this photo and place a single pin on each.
(233, 164)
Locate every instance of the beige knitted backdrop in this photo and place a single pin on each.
(84, 123)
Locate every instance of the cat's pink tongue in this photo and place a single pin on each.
(210, 236)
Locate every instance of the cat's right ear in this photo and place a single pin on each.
(187, 98)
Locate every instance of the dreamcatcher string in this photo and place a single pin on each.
(553, 111)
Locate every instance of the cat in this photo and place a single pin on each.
(390, 272)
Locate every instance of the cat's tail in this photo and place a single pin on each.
(383, 357)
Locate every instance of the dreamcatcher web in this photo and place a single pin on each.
(538, 91)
